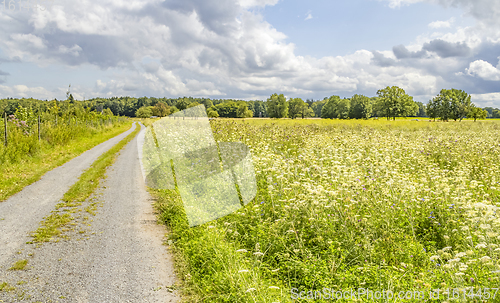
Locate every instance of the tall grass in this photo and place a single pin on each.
(381, 205)
(26, 158)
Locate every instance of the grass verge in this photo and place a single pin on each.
(15, 176)
(79, 192)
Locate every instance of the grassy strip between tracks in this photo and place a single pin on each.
(78, 193)
(16, 176)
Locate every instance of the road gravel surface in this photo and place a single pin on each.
(113, 252)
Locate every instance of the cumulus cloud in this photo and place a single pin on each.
(446, 49)
(484, 70)
(485, 11)
(381, 60)
(401, 52)
(219, 48)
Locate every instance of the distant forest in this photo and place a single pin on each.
(276, 106)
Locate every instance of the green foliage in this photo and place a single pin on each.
(182, 104)
(329, 109)
(144, 112)
(193, 104)
(317, 107)
(243, 111)
(394, 102)
(277, 106)
(477, 113)
(421, 110)
(212, 113)
(297, 108)
(161, 110)
(343, 108)
(361, 107)
(226, 109)
(450, 104)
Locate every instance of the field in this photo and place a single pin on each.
(380, 205)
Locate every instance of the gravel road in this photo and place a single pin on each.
(115, 254)
(21, 213)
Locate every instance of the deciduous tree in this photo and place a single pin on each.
(277, 106)
(394, 102)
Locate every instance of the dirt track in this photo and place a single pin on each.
(115, 256)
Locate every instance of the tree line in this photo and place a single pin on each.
(390, 102)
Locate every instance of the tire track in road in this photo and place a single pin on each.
(119, 258)
(22, 213)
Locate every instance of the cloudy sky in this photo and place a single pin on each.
(249, 49)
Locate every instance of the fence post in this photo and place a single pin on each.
(5, 126)
(38, 128)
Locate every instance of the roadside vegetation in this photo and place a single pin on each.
(43, 135)
(381, 205)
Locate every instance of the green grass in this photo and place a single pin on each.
(382, 205)
(6, 287)
(78, 193)
(19, 265)
(29, 169)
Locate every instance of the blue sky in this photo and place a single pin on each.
(326, 28)
(249, 49)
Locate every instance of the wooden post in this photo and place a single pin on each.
(5, 126)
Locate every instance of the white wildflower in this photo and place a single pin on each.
(485, 259)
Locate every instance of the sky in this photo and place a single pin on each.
(249, 49)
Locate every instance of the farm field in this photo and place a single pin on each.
(380, 205)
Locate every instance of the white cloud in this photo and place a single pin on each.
(29, 40)
(256, 3)
(484, 70)
(23, 91)
(399, 3)
(219, 48)
(486, 99)
(442, 24)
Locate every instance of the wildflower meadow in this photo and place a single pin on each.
(382, 205)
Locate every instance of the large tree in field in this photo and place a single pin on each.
(296, 108)
(329, 110)
(432, 109)
(361, 107)
(460, 103)
(277, 107)
(394, 102)
(477, 113)
(451, 104)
